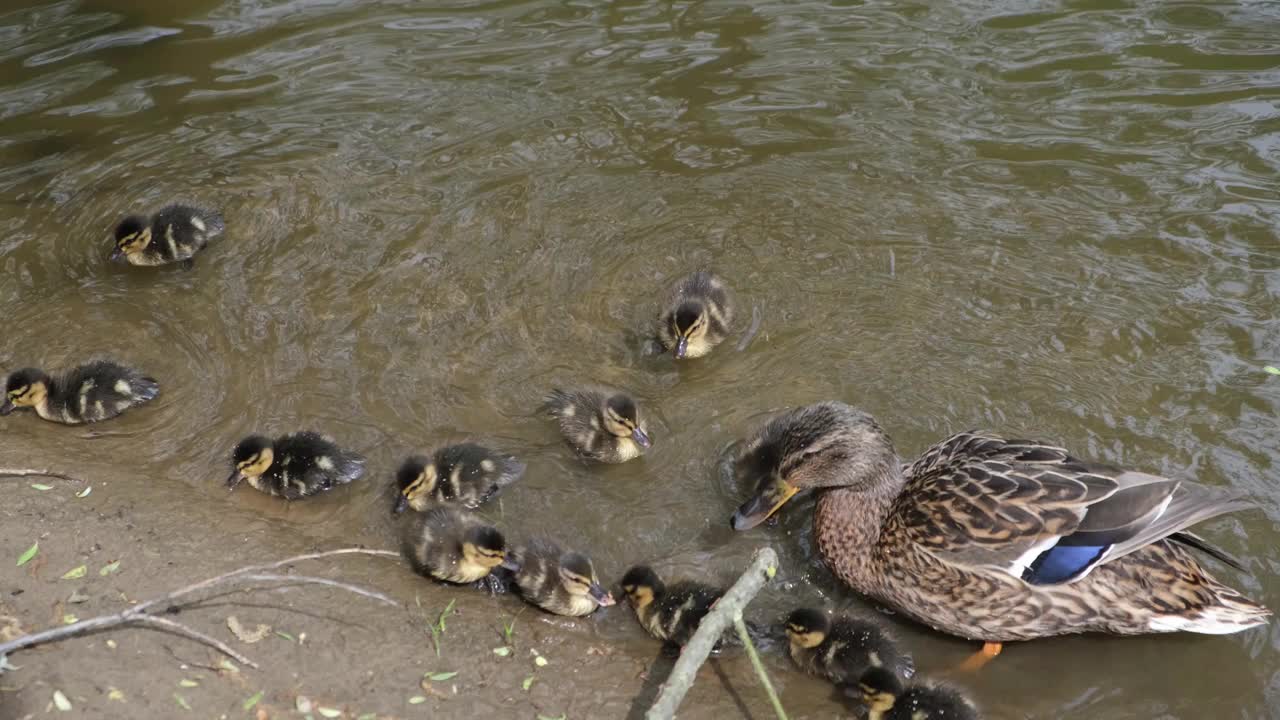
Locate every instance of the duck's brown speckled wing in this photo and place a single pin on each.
(1033, 511)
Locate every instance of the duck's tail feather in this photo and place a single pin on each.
(1192, 540)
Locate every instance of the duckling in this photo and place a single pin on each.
(599, 424)
(697, 316)
(887, 699)
(173, 235)
(559, 582)
(453, 545)
(843, 648)
(97, 391)
(670, 613)
(293, 466)
(467, 473)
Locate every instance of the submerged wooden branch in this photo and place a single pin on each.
(146, 614)
(729, 607)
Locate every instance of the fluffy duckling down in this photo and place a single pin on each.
(89, 393)
(670, 613)
(696, 317)
(842, 648)
(452, 545)
(887, 698)
(293, 466)
(466, 473)
(601, 425)
(173, 235)
(560, 582)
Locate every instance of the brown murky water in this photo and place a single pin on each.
(1053, 219)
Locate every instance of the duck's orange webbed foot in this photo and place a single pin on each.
(979, 660)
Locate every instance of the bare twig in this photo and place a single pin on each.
(203, 584)
(178, 628)
(142, 613)
(32, 472)
(762, 569)
(309, 580)
(741, 626)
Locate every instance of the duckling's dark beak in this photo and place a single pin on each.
(233, 480)
(682, 346)
(117, 255)
(641, 438)
(7, 407)
(601, 595)
(510, 563)
(401, 504)
(763, 505)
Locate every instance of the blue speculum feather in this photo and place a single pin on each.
(1062, 563)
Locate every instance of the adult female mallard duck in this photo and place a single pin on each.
(173, 235)
(696, 317)
(93, 392)
(993, 539)
(465, 473)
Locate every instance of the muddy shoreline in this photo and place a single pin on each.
(339, 651)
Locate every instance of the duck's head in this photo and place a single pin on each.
(807, 628)
(689, 323)
(251, 458)
(815, 447)
(579, 578)
(484, 547)
(880, 689)
(642, 586)
(132, 237)
(25, 388)
(415, 481)
(622, 419)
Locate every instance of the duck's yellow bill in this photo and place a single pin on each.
(765, 503)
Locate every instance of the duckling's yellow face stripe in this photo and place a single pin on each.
(694, 331)
(421, 486)
(483, 557)
(19, 396)
(618, 425)
(798, 636)
(639, 595)
(575, 583)
(28, 395)
(258, 464)
(877, 701)
(134, 242)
